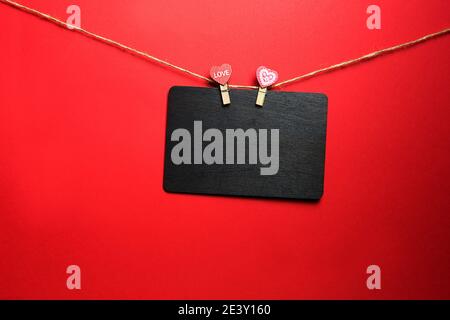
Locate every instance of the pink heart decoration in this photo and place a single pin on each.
(266, 77)
(221, 74)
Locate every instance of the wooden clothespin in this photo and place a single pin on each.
(266, 77)
(224, 91)
(221, 75)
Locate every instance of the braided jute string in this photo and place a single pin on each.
(145, 55)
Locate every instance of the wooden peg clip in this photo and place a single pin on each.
(224, 91)
(266, 77)
(221, 75)
(261, 96)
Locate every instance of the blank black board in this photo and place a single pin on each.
(300, 118)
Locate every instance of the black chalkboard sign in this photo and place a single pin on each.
(277, 151)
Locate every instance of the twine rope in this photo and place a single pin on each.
(145, 55)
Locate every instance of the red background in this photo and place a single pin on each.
(82, 129)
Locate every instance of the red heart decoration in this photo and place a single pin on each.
(221, 74)
(266, 77)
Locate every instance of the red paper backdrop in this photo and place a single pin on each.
(82, 129)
